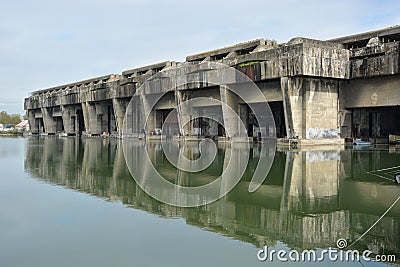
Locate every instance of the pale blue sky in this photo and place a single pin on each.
(48, 43)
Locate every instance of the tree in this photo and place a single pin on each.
(6, 118)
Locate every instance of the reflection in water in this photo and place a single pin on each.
(309, 199)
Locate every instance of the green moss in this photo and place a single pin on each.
(246, 64)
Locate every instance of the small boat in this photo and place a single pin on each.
(397, 178)
(360, 142)
(394, 139)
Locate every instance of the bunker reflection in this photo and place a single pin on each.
(309, 199)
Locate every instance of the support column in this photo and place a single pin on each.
(49, 121)
(231, 119)
(150, 121)
(91, 121)
(344, 115)
(85, 113)
(215, 114)
(183, 113)
(97, 117)
(311, 107)
(360, 123)
(120, 106)
(292, 105)
(321, 108)
(134, 124)
(33, 123)
(68, 120)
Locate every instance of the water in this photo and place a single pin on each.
(73, 202)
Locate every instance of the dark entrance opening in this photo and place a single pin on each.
(221, 130)
(279, 118)
(376, 122)
(253, 128)
(168, 127)
(207, 124)
(40, 125)
(81, 123)
(161, 116)
(111, 126)
(59, 124)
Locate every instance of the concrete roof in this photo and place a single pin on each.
(393, 31)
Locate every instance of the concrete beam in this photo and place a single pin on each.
(145, 70)
(79, 83)
(223, 52)
(373, 92)
(393, 32)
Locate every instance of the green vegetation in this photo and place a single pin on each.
(6, 118)
(246, 64)
(12, 132)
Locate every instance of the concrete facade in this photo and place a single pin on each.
(319, 91)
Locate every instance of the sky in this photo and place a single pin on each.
(49, 43)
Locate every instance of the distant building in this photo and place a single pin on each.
(23, 125)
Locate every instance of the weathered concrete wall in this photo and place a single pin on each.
(311, 107)
(70, 118)
(372, 92)
(375, 60)
(319, 83)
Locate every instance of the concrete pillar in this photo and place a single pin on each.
(184, 112)
(360, 122)
(311, 107)
(292, 103)
(134, 122)
(33, 123)
(148, 109)
(101, 114)
(215, 114)
(321, 106)
(49, 121)
(120, 106)
(86, 117)
(231, 119)
(69, 118)
(376, 122)
(244, 115)
(92, 124)
(97, 118)
(344, 115)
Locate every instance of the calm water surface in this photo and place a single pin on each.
(73, 202)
